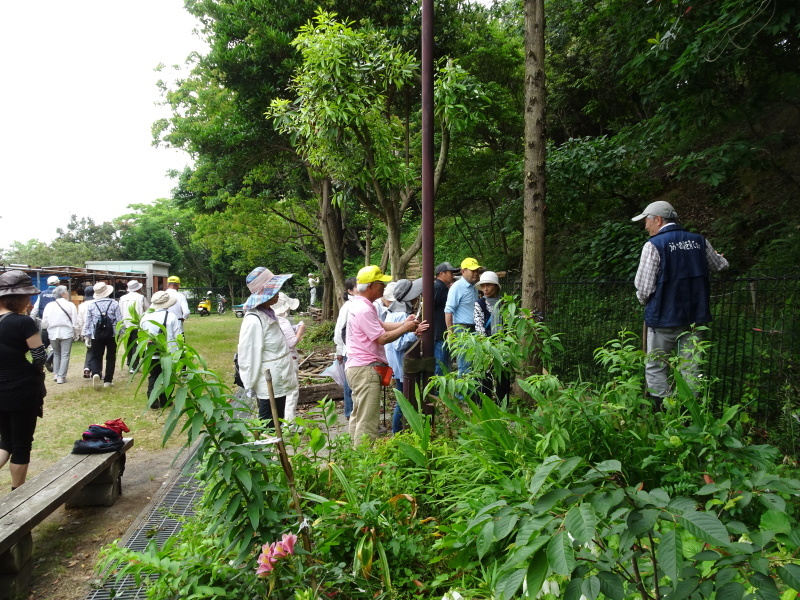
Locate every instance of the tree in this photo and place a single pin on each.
(351, 121)
(533, 259)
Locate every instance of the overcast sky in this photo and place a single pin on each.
(77, 102)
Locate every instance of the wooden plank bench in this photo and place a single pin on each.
(76, 480)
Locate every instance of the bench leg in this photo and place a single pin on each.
(15, 569)
(102, 491)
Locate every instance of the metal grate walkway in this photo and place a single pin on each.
(161, 523)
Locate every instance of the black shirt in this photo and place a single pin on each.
(17, 373)
(439, 300)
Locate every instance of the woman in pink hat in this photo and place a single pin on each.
(262, 345)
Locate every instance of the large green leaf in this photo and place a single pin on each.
(412, 453)
(485, 538)
(560, 555)
(590, 587)
(537, 573)
(611, 585)
(732, 590)
(581, 523)
(790, 575)
(670, 555)
(542, 473)
(509, 583)
(641, 521)
(705, 526)
(776, 520)
(549, 500)
(765, 587)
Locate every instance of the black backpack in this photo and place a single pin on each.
(104, 329)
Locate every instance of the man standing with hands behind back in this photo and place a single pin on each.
(366, 338)
(672, 283)
(459, 311)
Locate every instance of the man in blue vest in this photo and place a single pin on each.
(45, 298)
(673, 285)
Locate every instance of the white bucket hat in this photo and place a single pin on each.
(285, 304)
(488, 277)
(134, 286)
(162, 300)
(102, 290)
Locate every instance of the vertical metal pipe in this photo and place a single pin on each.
(427, 180)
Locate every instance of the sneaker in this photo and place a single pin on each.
(96, 382)
(132, 371)
(86, 374)
(108, 384)
(55, 378)
(61, 380)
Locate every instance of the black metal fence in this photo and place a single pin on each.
(755, 357)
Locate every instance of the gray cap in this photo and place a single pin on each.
(88, 292)
(657, 209)
(445, 266)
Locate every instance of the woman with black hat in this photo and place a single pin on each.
(22, 389)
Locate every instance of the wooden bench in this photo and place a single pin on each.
(77, 480)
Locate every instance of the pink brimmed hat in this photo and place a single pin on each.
(263, 285)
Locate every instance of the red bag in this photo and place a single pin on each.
(385, 372)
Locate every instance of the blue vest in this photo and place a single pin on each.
(682, 284)
(45, 298)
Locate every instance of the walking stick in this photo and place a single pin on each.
(287, 468)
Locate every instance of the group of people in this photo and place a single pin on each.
(378, 323)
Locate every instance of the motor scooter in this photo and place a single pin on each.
(204, 306)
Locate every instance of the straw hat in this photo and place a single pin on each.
(263, 285)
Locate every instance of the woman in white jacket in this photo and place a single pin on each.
(262, 346)
(60, 318)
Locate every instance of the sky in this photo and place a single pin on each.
(77, 102)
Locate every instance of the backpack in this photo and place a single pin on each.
(103, 329)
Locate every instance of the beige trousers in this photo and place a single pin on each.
(365, 418)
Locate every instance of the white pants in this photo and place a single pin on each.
(292, 398)
(61, 350)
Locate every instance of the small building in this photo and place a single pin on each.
(154, 271)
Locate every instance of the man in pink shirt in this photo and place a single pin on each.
(366, 337)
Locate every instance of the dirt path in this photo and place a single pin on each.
(67, 543)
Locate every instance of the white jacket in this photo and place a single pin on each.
(138, 301)
(341, 322)
(60, 318)
(262, 345)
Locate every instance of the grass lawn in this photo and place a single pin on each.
(70, 408)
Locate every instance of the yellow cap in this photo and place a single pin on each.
(173, 279)
(371, 274)
(470, 263)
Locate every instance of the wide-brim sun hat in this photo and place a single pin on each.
(102, 290)
(285, 304)
(406, 290)
(488, 277)
(371, 274)
(17, 282)
(163, 300)
(263, 285)
(388, 291)
(134, 286)
(660, 208)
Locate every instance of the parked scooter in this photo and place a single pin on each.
(204, 306)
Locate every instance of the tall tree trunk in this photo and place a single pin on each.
(330, 217)
(535, 188)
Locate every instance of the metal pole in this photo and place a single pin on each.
(427, 185)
